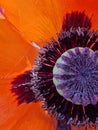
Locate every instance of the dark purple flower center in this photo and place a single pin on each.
(75, 75)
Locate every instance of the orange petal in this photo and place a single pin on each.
(28, 117)
(16, 54)
(25, 117)
(38, 20)
(41, 20)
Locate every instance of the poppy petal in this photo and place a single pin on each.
(16, 54)
(28, 117)
(38, 20)
(41, 20)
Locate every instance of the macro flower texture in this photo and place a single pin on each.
(48, 65)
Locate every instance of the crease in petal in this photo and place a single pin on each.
(2, 13)
(16, 54)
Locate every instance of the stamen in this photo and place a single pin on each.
(62, 125)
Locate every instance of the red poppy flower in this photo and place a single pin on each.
(38, 21)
